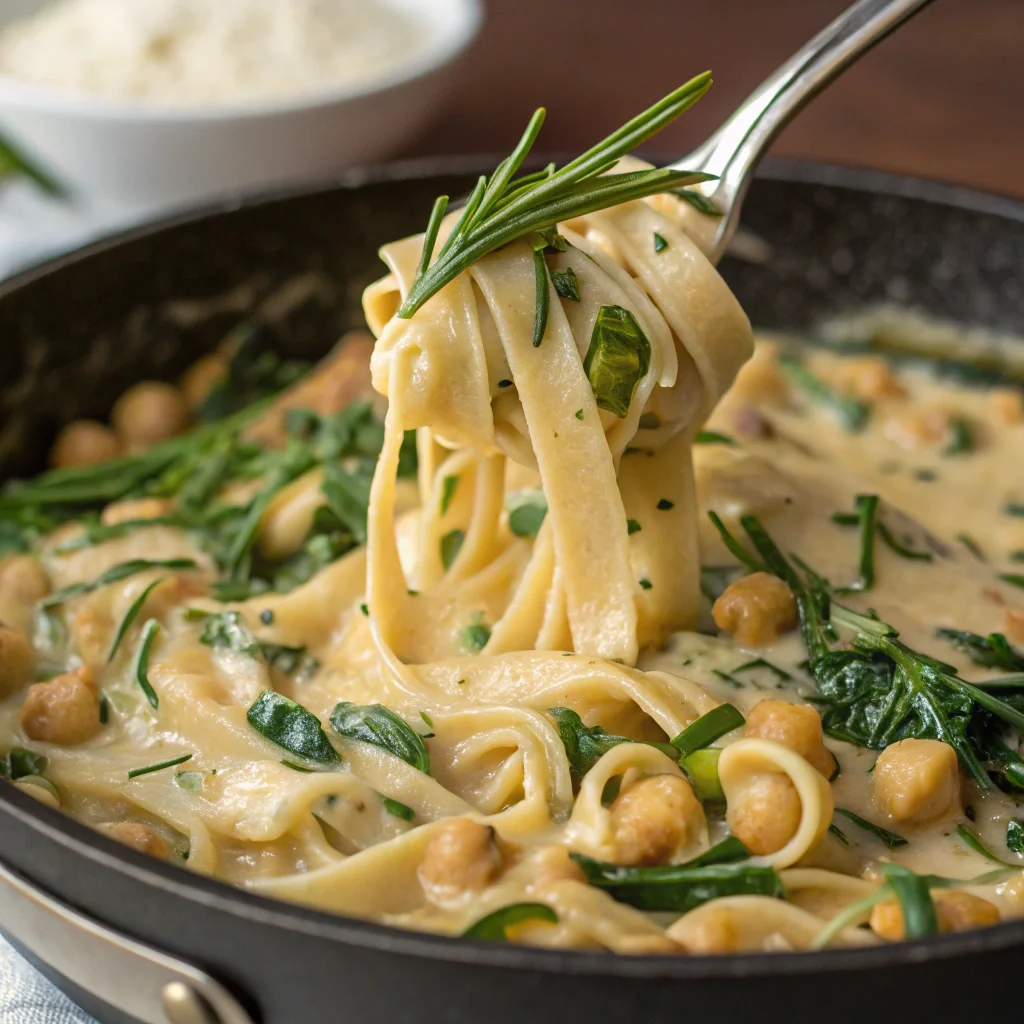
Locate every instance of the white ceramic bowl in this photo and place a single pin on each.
(122, 157)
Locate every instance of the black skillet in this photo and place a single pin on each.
(76, 332)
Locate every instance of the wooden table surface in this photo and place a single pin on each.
(942, 98)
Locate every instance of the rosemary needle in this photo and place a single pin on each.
(503, 208)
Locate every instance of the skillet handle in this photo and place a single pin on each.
(134, 979)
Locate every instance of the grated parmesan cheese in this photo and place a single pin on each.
(177, 52)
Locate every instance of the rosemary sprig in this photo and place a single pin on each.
(503, 208)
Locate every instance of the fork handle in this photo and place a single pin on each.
(735, 149)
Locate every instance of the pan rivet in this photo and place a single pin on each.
(184, 1005)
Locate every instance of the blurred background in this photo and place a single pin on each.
(941, 98)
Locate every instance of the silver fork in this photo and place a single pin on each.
(735, 149)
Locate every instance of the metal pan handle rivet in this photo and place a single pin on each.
(184, 1005)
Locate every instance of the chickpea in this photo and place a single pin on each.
(756, 609)
(654, 818)
(462, 856)
(870, 378)
(761, 379)
(553, 864)
(927, 428)
(1008, 405)
(17, 659)
(136, 508)
(149, 412)
(1013, 624)
(713, 931)
(138, 837)
(24, 579)
(916, 780)
(85, 443)
(201, 378)
(768, 814)
(65, 710)
(956, 911)
(797, 726)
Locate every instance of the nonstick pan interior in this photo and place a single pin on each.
(76, 332)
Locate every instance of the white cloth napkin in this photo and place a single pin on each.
(26, 997)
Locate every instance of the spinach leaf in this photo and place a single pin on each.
(891, 839)
(618, 357)
(679, 888)
(226, 631)
(1015, 835)
(376, 724)
(292, 727)
(879, 690)
(708, 728)
(22, 762)
(992, 651)
(493, 927)
(585, 745)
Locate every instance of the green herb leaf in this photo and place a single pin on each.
(866, 510)
(504, 208)
(708, 728)
(618, 358)
(645, 584)
(291, 727)
(566, 284)
(976, 843)
(448, 488)
(22, 762)
(713, 437)
(114, 574)
(451, 545)
(961, 437)
(1014, 579)
(141, 667)
(851, 413)
(130, 616)
(679, 888)
(701, 768)
(632, 526)
(664, 505)
(697, 200)
(191, 782)
(992, 651)
(919, 919)
(543, 297)
(159, 766)
(971, 545)
(398, 809)
(660, 245)
(1015, 835)
(376, 724)
(476, 635)
(891, 839)
(494, 927)
(894, 544)
(14, 162)
(526, 512)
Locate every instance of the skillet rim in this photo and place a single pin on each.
(106, 854)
